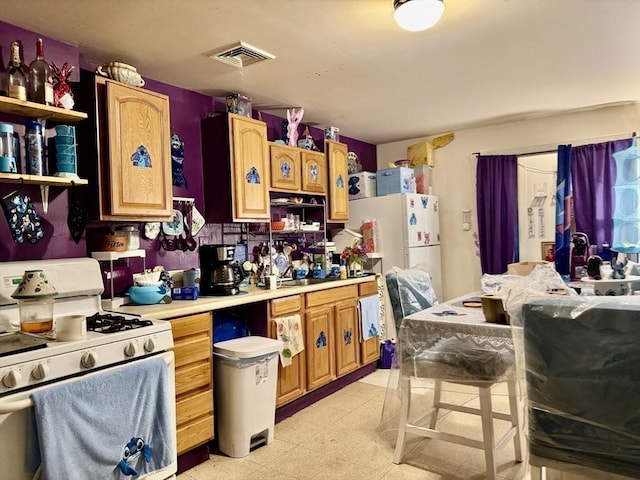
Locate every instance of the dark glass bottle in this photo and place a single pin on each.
(40, 85)
(4, 77)
(17, 74)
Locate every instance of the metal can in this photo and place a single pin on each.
(34, 148)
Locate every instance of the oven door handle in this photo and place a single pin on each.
(15, 405)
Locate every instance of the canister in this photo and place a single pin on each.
(132, 234)
(7, 153)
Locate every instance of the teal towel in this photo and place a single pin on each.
(115, 425)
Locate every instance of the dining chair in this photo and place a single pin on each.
(465, 358)
(581, 357)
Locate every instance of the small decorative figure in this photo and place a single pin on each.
(132, 451)
(253, 176)
(321, 341)
(618, 268)
(294, 118)
(177, 161)
(141, 157)
(593, 267)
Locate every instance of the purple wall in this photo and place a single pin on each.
(187, 108)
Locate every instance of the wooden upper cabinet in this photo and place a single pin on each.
(124, 151)
(139, 164)
(338, 177)
(285, 167)
(314, 172)
(235, 167)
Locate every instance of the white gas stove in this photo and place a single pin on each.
(112, 338)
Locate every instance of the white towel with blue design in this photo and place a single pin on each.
(115, 425)
(370, 316)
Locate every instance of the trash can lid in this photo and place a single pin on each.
(247, 347)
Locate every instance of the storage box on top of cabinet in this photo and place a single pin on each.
(395, 180)
(362, 185)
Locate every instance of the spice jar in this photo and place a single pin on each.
(132, 234)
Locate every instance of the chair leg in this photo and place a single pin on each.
(405, 385)
(516, 419)
(538, 473)
(486, 413)
(437, 392)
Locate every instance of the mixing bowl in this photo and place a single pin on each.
(148, 294)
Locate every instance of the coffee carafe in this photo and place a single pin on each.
(218, 276)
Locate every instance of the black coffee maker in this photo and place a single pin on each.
(218, 276)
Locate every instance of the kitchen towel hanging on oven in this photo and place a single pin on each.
(114, 425)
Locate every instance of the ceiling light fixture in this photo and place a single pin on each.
(417, 15)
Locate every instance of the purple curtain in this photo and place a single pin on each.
(593, 174)
(497, 206)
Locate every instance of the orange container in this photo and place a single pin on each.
(113, 243)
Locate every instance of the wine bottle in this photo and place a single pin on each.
(17, 74)
(40, 85)
(4, 77)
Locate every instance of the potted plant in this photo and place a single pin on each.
(354, 256)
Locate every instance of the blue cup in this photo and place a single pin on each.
(319, 273)
(299, 274)
(65, 139)
(65, 130)
(8, 165)
(66, 167)
(335, 271)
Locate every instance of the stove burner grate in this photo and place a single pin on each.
(109, 323)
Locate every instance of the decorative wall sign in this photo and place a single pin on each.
(141, 157)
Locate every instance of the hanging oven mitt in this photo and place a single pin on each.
(76, 218)
(24, 221)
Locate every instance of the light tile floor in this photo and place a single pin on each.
(340, 437)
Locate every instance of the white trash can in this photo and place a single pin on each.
(245, 374)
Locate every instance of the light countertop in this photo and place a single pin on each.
(250, 294)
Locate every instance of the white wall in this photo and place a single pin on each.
(536, 190)
(454, 173)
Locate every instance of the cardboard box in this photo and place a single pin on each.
(362, 185)
(493, 310)
(395, 180)
(184, 293)
(420, 154)
(522, 268)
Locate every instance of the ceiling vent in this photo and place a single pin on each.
(240, 55)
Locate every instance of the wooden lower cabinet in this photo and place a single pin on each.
(194, 380)
(292, 379)
(319, 344)
(331, 329)
(346, 337)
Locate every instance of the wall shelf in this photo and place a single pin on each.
(43, 113)
(40, 111)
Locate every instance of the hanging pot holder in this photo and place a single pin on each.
(76, 218)
(22, 217)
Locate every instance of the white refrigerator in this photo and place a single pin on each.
(408, 229)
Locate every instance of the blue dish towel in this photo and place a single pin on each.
(370, 316)
(115, 425)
